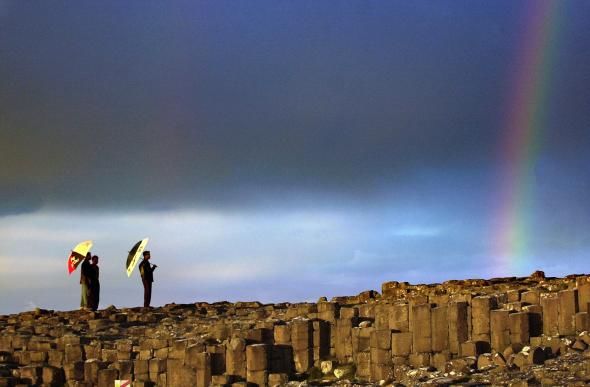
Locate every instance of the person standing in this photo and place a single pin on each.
(85, 273)
(94, 298)
(146, 269)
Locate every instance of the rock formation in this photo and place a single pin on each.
(503, 331)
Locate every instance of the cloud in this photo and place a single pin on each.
(38, 233)
(27, 266)
(350, 146)
(19, 198)
(228, 270)
(258, 111)
(416, 232)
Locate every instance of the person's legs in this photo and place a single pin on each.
(96, 298)
(84, 296)
(90, 297)
(147, 293)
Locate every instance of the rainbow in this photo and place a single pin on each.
(522, 132)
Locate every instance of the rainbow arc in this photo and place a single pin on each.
(522, 134)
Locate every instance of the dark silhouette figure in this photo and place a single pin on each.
(85, 274)
(147, 277)
(94, 286)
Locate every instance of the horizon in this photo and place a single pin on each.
(285, 151)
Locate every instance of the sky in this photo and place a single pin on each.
(288, 150)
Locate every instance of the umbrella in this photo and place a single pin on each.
(78, 254)
(134, 255)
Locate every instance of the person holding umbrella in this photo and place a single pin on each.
(94, 286)
(85, 275)
(147, 277)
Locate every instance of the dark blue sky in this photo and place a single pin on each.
(329, 145)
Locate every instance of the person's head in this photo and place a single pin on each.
(146, 254)
(95, 259)
(88, 256)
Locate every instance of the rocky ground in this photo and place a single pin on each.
(388, 338)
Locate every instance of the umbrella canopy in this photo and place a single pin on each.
(78, 254)
(134, 255)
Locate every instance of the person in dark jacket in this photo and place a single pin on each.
(94, 285)
(146, 269)
(85, 273)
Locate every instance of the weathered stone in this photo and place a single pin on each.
(257, 357)
(363, 365)
(141, 367)
(382, 315)
(550, 304)
(98, 324)
(440, 359)
(381, 372)
(380, 356)
(579, 345)
(236, 357)
(519, 328)
(361, 339)
(301, 335)
(281, 359)
(583, 296)
(276, 380)
(55, 358)
(53, 376)
(348, 313)
(328, 311)
(480, 318)
(535, 319)
(38, 357)
(179, 374)
(257, 378)
(74, 353)
(203, 366)
(321, 340)
(500, 329)
(458, 325)
(182, 344)
(399, 318)
(536, 356)
(91, 368)
(153, 344)
(440, 328)
(31, 374)
(531, 297)
(217, 359)
(475, 348)
(380, 339)
(107, 377)
(582, 322)
(125, 368)
(282, 334)
(303, 359)
(74, 371)
(422, 329)
(568, 307)
(156, 367)
(485, 360)
(343, 340)
(418, 360)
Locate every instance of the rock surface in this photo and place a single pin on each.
(503, 331)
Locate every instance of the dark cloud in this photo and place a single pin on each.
(215, 103)
(17, 199)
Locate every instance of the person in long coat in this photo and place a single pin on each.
(94, 286)
(85, 273)
(147, 277)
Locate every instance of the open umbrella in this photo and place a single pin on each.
(78, 254)
(134, 255)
